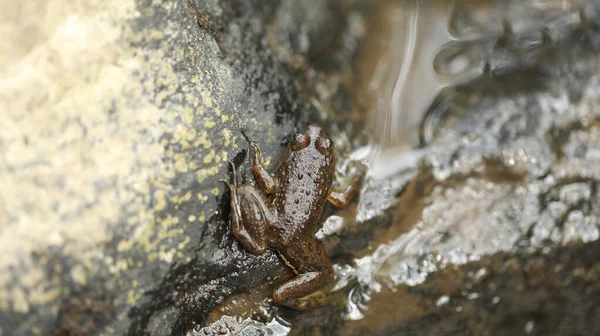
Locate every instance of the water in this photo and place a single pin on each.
(429, 47)
(425, 49)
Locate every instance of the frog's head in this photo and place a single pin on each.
(312, 137)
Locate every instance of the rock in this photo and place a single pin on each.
(118, 121)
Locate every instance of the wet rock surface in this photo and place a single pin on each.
(114, 220)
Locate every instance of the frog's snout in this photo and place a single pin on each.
(314, 131)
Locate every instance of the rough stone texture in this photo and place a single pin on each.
(118, 117)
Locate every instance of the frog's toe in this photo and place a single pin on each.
(233, 175)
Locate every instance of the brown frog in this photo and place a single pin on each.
(286, 217)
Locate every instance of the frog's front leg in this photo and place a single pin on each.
(341, 198)
(267, 182)
(250, 215)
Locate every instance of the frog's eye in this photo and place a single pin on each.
(324, 145)
(299, 141)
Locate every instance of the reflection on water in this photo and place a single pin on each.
(424, 49)
(405, 79)
(248, 326)
(428, 47)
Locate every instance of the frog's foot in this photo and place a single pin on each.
(233, 183)
(257, 153)
(342, 198)
(267, 182)
(293, 293)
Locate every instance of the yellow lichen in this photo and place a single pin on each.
(186, 197)
(180, 164)
(202, 140)
(227, 135)
(201, 197)
(183, 243)
(203, 174)
(206, 99)
(160, 201)
(152, 138)
(187, 115)
(209, 157)
(168, 172)
(132, 297)
(190, 134)
(209, 123)
(168, 222)
(167, 256)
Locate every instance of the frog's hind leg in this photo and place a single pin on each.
(293, 293)
(315, 274)
(249, 213)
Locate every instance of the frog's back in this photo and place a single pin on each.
(306, 178)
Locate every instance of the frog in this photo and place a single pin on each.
(283, 213)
